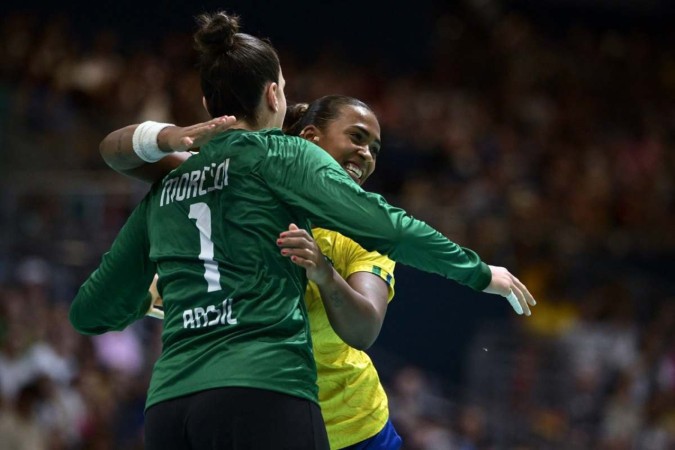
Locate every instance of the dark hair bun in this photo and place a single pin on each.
(293, 118)
(216, 33)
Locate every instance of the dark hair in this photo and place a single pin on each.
(234, 67)
(318, 113)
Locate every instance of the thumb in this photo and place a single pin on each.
(293, 227)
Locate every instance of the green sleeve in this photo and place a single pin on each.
(307, 178)
(116, 293)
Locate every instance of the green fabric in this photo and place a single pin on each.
(237, 316)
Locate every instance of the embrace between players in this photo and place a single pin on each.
(258, 293)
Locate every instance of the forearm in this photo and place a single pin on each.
(117, 149)
(355, 318)
(116, 293)
(118, 152)
(314, 183)
(376, 225)
(91, 314)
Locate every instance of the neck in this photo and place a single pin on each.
(244, 125)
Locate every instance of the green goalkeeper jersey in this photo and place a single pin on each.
(234, 306)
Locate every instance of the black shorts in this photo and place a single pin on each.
(235, 418)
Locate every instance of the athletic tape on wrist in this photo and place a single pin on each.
(144, 141)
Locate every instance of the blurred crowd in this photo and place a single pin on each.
(547, 149)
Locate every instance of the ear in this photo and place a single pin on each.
(204, 105)
(311, 133)
(271, 97)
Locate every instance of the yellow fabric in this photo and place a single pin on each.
(353, 402)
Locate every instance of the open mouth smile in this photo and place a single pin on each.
(354, 171)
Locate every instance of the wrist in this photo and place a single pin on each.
(326, 274)
(145, 141)
(163, 139)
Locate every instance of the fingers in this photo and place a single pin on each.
(294, 236)
(299, 252)
(524, 297)
(517, 292)
(295, 242)
(302, 257)
(156, 313)
(517, 295)
(298, 243)
(210, 128)
(307, 264)
(508, 286)
(515, 304)
(203, 132)
(222, 122)
(228, 120)
(528, 297)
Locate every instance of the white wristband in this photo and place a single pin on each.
(144, 141)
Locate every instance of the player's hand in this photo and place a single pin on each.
(156, 304)
(303, 250)
(180, 139)
(510, 287)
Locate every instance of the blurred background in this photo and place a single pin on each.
(540, 133)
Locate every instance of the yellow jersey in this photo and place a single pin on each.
(353, 402)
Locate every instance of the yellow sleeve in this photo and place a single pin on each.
(359, 259)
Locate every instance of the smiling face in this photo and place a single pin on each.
(352, 139)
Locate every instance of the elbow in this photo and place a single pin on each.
(361, 334)
(103, 149)
(73, 317)
(361, 344)
(79, 327)
(361, 339)
(113, 148)
(78, 320)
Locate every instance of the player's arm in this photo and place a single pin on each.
(310, 180)
(117, 148)
(116, 293)
(355, 308)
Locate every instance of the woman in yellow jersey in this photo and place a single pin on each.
(349, 287)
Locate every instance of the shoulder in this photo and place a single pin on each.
(349, 251)
(244, 149)
(360, 255)
(237, 139)
(294, 147)
(295, 160)
(325, 239)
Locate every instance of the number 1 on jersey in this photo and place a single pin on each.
(201, 213)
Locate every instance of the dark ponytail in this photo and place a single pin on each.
(234, 67)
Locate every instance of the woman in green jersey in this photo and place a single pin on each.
(346, 298)
(236, 368)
